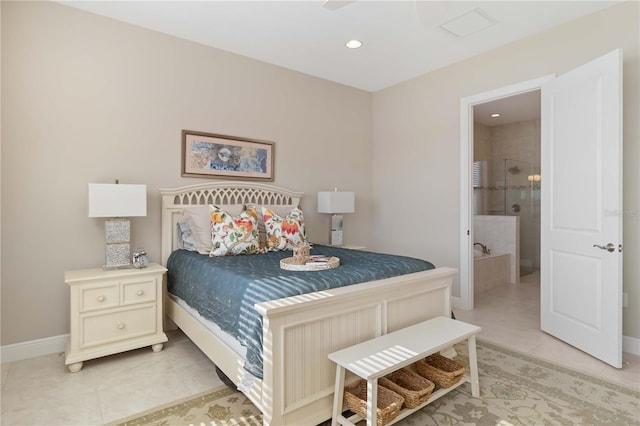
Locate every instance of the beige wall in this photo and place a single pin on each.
(89, 99)
(416, 152)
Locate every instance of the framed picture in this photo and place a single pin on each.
(219, 156)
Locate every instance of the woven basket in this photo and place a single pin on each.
(389, 402)
(414, 388)
(441, 370)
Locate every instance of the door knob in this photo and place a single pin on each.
(608, 247)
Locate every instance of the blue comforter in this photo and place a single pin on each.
(225, 289)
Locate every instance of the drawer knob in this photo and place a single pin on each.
(120, 326)
(100, 298)
(140, 292)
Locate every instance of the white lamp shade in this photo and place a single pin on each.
(117, 200)
(336, 202)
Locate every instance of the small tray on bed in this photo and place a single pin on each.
(311, 265)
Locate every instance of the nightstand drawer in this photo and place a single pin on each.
(139, 291)
(99, 296)
(117, 326)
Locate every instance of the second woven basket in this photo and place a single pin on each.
(414, 388)
(441, 370)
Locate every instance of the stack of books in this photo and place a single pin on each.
(318, 259)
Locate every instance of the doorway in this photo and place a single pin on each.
(506, 189)
(581, 113)
(467, 113)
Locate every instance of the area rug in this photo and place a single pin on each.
(515, 389)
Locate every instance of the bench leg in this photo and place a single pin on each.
(338, 395)
(473, 366)
(372, 402)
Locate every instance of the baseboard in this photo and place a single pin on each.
(631, 345)
(456, 302)
(33, 348)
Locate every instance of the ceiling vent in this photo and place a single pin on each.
(468, 23)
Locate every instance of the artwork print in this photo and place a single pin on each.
(210, 155)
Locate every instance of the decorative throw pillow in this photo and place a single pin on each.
(185, 237)
(198, 219)
(262, 233)
(233, 235)
(284, 233)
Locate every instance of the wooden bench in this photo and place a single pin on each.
(382, 355)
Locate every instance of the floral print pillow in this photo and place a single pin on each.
(283, 233)
(262, 233)
(233, 235)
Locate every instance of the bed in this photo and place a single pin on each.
(297, 380)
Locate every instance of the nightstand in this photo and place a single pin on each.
(114, 311)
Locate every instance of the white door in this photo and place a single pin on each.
(581, 208)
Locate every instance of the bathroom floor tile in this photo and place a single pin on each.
(510, 316)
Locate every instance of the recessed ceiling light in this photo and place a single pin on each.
(353, 44)
(495, 115)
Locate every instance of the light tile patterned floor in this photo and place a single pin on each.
(510, 316)
(41, 391)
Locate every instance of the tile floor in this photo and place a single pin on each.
(510, 316)
(41, 391)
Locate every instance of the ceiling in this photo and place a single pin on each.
(401, 39)
(522, 107)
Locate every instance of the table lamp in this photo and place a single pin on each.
(118, 202)
(336, 203)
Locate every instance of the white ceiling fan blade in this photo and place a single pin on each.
(431, 13)
(336, 4)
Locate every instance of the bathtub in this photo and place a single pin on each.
(490, 270)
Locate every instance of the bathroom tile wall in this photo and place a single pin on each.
(481, 158)
(501, 234)
(481, 142)
(520, 143)
(490, 272)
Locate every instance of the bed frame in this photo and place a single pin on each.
(299, 332)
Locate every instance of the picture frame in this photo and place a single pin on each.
(210, 155)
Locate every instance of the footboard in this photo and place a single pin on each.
(299, 332)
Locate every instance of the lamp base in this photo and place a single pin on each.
(336, 238)
(118, 248)
(118, 255)
(336, 230)
(117, 268)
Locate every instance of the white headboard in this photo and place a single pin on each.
(220, 193)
